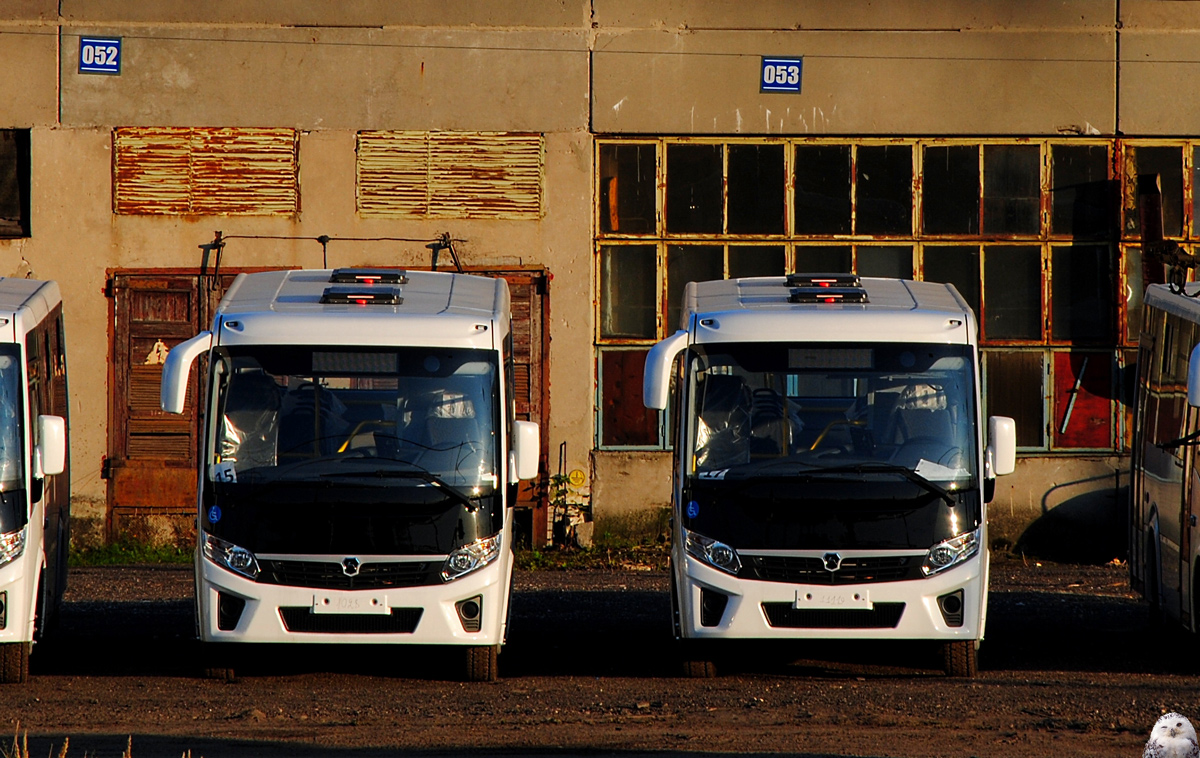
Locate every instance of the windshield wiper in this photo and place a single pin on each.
(888, 468)
(413, 473)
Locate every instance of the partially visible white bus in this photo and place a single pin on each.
(35, 496)
(1164, 543)
(831, 475)
(359, 462)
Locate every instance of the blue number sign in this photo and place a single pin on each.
(780, 75)
(100, 55)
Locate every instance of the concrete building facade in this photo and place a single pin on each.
(602, 153)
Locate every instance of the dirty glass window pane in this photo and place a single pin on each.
(1011, 189)
(1081, 292)
(756, 189)
(756, 260)
(1167, 162)
(623, 418)
(823, 259)
(694, 180)
(884, 190)
(14, 183)
(893, 261)
(1134, 287)
(689, 263)
(1012, 292)
(950, 190)
(1014, 389)
(1080, 191)
(628, 306)
(957, 265)
(627, 181)
(822, 194)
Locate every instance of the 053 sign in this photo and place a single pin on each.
(100, 55)
(780, 75)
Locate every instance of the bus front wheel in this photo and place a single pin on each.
(481, 663)
(14, 662)
(960, 658)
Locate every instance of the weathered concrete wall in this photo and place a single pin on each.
(1062, 508)
(898, 68)
(1160, 71)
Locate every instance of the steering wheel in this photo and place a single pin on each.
(836, 422)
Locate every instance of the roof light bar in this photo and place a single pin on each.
(823, 280)
(828, 295)
(368, 294)
(368, 276)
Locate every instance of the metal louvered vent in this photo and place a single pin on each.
(205, 171)
(362, 295)
(494, 175)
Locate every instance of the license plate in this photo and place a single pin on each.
(830, 598)
(344, 603)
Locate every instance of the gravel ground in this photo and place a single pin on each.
(1070, 667)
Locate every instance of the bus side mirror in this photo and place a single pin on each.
(656, 380)
(1002, 445)
(526, 449)
(1194, 378)
(51, 449)
(177, 369)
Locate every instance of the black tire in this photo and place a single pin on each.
(14, 662)
(698, 669)
(1152, 592)
(218, 663)
(481, 663)
(961, 659)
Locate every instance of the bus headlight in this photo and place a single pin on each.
(714, 553)
(227, 555)
(950, 553)
(12, 544)
(471, 557)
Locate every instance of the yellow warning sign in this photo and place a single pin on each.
(577, 478)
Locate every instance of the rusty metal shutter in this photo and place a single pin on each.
(490, 175)
(205, 171)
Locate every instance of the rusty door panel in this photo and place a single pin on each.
(151, 463)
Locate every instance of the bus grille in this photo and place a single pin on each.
(326, 575)
(882, 616)
(302, 619)
(797, 570)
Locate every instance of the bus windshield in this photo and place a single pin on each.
(12, 472)
(301, 412)
(774, 409)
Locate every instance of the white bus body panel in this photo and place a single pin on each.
(24, 305)
(438, 310)
(900, 311)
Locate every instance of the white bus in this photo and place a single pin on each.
(35, 495)
(359, 460)
(831, 478)
(1164, 549)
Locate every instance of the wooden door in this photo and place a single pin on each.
(530, 318)
(151, 462)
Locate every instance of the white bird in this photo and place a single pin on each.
(1172, 737)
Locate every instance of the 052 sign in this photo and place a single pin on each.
(100, 55)
(780, 75)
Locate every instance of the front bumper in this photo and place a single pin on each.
(284, 614)
(755, 609)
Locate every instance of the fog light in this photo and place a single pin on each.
(951, 606)
(470, 613)
(229, 611)
(712, 607)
